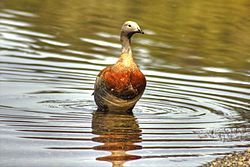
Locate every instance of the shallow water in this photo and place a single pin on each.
(196, 58)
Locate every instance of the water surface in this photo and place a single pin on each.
(196, 58)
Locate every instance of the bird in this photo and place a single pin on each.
(118, 87)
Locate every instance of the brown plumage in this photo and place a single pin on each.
(120, 86)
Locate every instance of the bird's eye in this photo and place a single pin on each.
(129, 25)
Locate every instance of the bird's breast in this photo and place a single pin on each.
(124, 82)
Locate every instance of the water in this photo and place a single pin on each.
(196, 58)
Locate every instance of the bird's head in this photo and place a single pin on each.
(129, 28)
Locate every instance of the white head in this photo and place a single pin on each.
(129, 28)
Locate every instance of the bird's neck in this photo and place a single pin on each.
(126, 44)
(126, 58)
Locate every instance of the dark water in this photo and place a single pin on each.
(195, 55)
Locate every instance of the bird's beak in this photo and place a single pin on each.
(140, 31)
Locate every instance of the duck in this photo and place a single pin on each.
(120, 86)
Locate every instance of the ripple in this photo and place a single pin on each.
(5, 15)
(14, 23)
(15, 37)
(56, 43)
(195, 78)
(32, 33)
(101, 43)
(219, 70)
(153, 43)
(107, 35)
(20, 13)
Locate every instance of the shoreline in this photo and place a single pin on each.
(235, 159)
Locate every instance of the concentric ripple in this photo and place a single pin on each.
(187, 115)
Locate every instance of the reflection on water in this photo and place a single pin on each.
(119, 133)
(196, 59)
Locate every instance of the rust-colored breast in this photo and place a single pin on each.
(138, 80)
(123, 82)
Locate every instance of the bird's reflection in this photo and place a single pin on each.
(119, 133)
